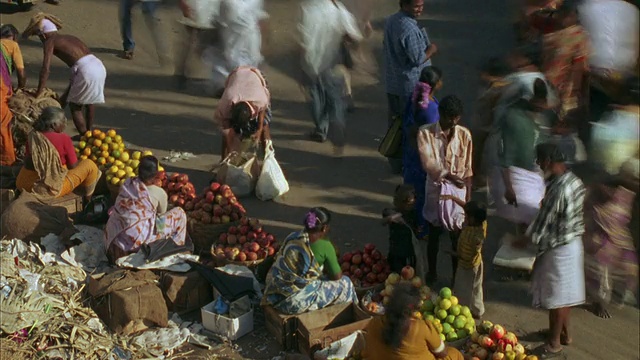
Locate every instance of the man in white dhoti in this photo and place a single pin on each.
(558, 281)
(241, 24)
(88, 74)
(446, 152)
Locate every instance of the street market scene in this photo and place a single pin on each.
(319, 179)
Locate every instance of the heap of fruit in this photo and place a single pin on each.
(217, 205)
(375, 303)
(103, 148)
(126, 167)
(452, 320)
(365, 268)
(179, 189)
(493, 342)
(245, 242)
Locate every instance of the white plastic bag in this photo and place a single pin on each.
(511, 257)
(239, 172)
(271, 182)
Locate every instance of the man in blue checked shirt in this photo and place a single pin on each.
(407, 50)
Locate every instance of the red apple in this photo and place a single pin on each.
(216, 220)
(214, 186)
(347, 257)
(223, 239)
(270, 239)
(232, 239)
(376, 255)
(353, 268)
(252, 236)
(382, 277)
(173, 199)
(367, 259)
(356, 259)
(377, 268)
(254, 247)
(371, 277)
(180, 202)
(188, 206)
(225, 187)
(407, 273)
(497, 332)
(366, 269)
(251, 256)
(242, 239)
(357, 274)
(209, 197)
(244, 230)
(232, 230)
(271, 250)
(368, 248)
(241, 256)
(345, 266)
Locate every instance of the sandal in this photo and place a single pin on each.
(127, 54)
(546, 353)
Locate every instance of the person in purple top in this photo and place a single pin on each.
(421, 109)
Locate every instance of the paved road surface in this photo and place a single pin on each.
(142, 106)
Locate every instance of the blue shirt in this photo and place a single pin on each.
(414, 120)
(405, 45)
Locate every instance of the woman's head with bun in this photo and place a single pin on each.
(316, 222)
(148, 169)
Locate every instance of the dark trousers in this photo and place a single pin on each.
(328, 107)
(396, 106)
(433, 247)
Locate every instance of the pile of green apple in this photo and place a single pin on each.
(452, 320)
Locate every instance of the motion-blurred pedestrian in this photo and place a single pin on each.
(153, 22)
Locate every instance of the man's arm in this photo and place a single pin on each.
(415, 48)
(18, 62)
(46, 64)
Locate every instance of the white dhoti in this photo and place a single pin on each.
(529, 187)
(558, 277)
(87, 81)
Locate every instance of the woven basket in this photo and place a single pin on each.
(360, 291)
(249, 264)
(205, 235)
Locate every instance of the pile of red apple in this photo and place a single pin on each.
(245, 242)
(179, 188)
(365, 268)
(493, 342)
(216, 205)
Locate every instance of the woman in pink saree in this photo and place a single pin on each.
(139, 215)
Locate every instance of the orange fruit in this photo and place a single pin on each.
(88, 134)
(102, 136)
(86, 152)
(96, 133)
(97, 142)
(111, 133)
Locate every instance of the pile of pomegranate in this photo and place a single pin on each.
(178, 187)
(245, 242)
(365, 268)
(217, 205)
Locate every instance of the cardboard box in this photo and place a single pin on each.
(318, 329)
(282, 326)
(185, 292)
(234, 325)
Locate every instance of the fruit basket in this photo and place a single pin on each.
(220, 261)
(370, 306)
(361, 291)
(367, 268)
(246, 243)
(205, 235)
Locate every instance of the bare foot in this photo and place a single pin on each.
(600, 311)
(565, 338)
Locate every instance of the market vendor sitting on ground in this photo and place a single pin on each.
(295, 283)
(88, 74)
(399, 336)
(244, 111)
(140, 214)
(51, 168)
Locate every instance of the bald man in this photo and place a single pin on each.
(88, 74)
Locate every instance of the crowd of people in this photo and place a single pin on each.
(565, 97)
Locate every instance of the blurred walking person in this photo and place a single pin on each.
(612, 26)
(611, 257)
(324, 25)
(153, 22)
(407, 50)
(242, 29)
(199, 17)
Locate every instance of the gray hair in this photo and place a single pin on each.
(50, 119)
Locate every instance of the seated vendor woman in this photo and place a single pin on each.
(51, 167)
(243, 112)
(140, 214)
(397, 335)
(295, 283)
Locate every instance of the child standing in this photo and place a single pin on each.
(469, 274)
(402, 221)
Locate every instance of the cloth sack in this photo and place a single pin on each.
(529, 187)
(271, 182)
(184, 292)
(30, 219)
(390, 144)
(451, 214)
(511, 257)
(240, 172)
(128, 301)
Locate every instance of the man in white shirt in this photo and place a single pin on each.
(324, 25)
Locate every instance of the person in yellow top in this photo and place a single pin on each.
(11, 56)
(468, 278)
(399, 336)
